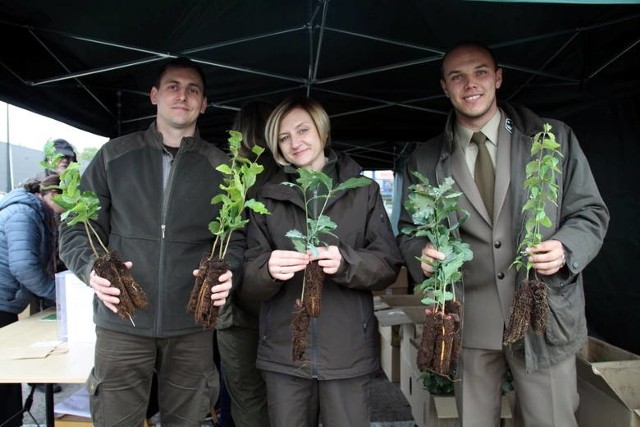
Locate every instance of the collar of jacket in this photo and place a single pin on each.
(157, 137)
(525, 120)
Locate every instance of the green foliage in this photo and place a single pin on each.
(540, 185)
(317, 186)
(436, 385)
(434, 212)
(79, 206)
(51, 157)
(241, 174)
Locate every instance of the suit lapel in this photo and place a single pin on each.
(503, 168)
(467, 184)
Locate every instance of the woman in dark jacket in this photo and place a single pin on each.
(331, 383)
(27, 264)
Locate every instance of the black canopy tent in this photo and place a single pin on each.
(374, 65)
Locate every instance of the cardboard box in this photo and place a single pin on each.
(386, 302)
(429, 410)
(73, 421)
(398, 287)
(390, 352)
(74, 309)
(609, 386)
(76, 421)
(390, 315)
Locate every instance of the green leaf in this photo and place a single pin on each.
(225, 169)
(257, 207)
(540, 182)
(353, 183)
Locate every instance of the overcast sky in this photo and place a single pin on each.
(33, 130)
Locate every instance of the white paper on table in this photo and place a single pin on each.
(37, 350)
(76, 404)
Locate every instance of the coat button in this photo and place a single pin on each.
(501, 276)
(497, 244)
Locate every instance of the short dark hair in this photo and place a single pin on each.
(468, 44)
(180, 62)
(251, 121)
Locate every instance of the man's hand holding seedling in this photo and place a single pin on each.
(220, 292)
(547, 257)
(429, 256)
(104, 291)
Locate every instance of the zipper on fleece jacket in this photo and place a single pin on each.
(163, 227)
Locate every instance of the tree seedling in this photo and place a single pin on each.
(80, 207)
(316, 188)
(530, 306)
(240, 175)
(436, 215)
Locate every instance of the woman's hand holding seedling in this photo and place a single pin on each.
(429, 256)
(284, 264)
(108, 294)
(547, 257)
(329, 258)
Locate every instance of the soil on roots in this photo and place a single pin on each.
(132, 297)
(200, 305)
(444, 344)
(313, 280)
(299, 331)
(441, 339)
(520, 317)
(425, 351)
(540, 307)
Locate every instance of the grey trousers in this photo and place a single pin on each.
(547, 397)
(247, 390)
(300, 402)
(120, 382)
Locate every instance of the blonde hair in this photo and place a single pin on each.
(313, 108)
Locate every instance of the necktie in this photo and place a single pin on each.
(485, 175)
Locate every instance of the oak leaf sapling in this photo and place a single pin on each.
(530, 307)
(316, 188)
(435, 215)
(239, 176)
(81, 207)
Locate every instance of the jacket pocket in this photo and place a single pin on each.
(566, 311)
(93, 385)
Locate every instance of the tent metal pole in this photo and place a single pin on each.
(323, 23)
(377, 100)
(82, 85)
(547, 62)
(388, 41)
(605, 65)
(9, 162)
(377, 70)
(242, 40)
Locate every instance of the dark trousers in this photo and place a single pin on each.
(120, 383)
(302, 402)
(10, 394)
